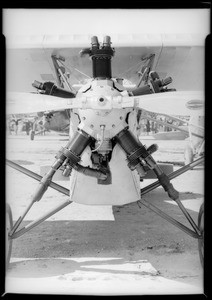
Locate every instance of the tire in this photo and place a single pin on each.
(8, 241)
(188, 155)
(201, 227)
(32, 135)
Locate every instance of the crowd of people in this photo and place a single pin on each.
(16, 125)
(148, 127)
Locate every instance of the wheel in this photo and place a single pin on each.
(32, 134)
(188, 155)
(8, 241)
(201, 227)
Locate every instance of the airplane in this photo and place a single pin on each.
(57, 121)
(189, 128)
(40, 123)
(104, 154)
(51, 120)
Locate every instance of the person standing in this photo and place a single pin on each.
(147, 127)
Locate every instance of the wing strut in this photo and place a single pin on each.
(62, 80)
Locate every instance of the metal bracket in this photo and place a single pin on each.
(144, 72)
(62, 80)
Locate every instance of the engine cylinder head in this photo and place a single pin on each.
(152, 148)
(106, 41)
(166, 81)
(95, 42)
(143, 90)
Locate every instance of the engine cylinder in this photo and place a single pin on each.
(127, 141)
(49, 88)
(101, 57)
(101, 67)
(144, 90)
(79, 142)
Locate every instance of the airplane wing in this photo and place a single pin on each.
(179, 54)
(29, 58)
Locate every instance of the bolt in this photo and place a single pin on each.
(91, 125)
(113, 126)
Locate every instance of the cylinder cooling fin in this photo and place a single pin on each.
(101, 57)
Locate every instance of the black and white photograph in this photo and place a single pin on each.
(105, 147)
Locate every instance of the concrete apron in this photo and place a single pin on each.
(90, 276)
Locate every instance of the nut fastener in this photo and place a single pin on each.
(102, 101)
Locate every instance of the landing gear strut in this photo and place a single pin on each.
(8, 240)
